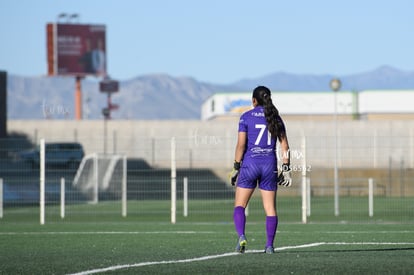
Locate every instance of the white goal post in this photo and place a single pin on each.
(304, 185)
(103, 173)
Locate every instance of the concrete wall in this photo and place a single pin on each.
(365, 144)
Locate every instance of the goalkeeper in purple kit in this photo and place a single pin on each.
(255, 164)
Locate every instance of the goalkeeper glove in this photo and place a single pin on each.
(284, 177)
(234, 173)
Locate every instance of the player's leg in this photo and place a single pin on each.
(246, 184)
(242, 198)
(268, 190)
(269, 205)
(269, 202)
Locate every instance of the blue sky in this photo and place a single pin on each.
(220, 41)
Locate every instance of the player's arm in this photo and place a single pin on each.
(284, 177)
(284, 146)
(240, 147)
(238, 156)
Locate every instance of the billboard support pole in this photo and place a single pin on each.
(78, 99)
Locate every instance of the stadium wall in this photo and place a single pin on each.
(376, 144)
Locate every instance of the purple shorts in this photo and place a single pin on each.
(262, 174)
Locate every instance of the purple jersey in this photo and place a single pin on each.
(259, 160)
(260, 145)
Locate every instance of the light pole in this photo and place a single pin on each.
(73, 16)
(335, 85)
(68, 16)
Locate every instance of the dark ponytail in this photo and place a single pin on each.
(274, 123)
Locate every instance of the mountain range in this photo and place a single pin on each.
(161, 96)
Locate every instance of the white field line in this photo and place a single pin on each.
(368, 243)
(106, 232)
(185, 232)
(364, 232)
(204, 258)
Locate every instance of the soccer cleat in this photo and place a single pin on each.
(269, 250)
(241, 244)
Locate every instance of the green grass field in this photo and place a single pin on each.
(96, 239)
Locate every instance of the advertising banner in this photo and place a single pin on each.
(74, 49)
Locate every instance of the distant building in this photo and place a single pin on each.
(367, 105)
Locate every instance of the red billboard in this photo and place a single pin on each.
(75, 49)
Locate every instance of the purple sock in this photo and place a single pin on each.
(239, 219)
(271, 226)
